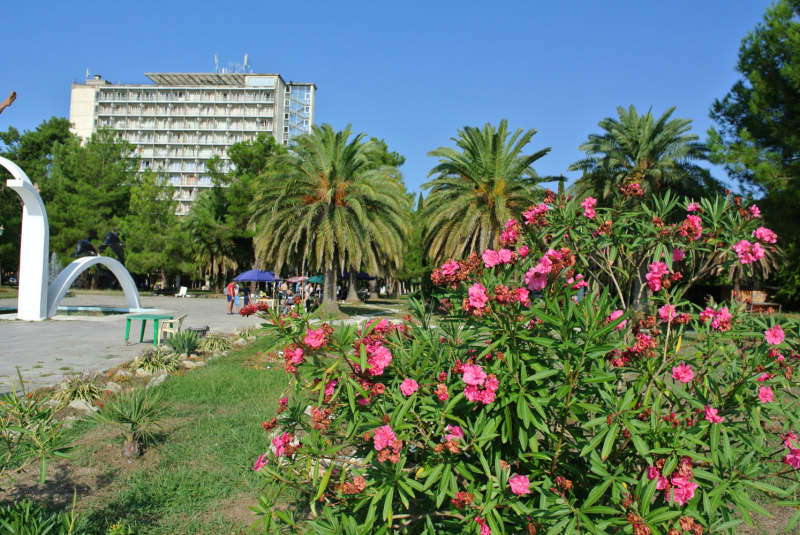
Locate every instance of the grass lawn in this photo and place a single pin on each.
(198, 478)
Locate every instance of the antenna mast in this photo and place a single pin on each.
(216, 63)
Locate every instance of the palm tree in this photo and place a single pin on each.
(210, 240)
(659, 154)
(479, 185)
(329, 208)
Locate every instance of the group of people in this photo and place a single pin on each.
(235, 300)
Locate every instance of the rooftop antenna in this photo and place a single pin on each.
(87, 74)
(244, 67)
(233, 66)
(216, 63)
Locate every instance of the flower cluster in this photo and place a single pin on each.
(765, 235)
(691, 228)
(284, 444)
(493, 258)
(720, 319)
(387, 444)
(588, 205)
(475, 377)
(680, 487)
(657, 276)
(748, 252)
(453, 273)
(510, 235)
(536, 215)
(632, 190)
(553, 261)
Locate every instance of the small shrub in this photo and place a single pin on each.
(184, 342)
(159, 359)
(26, 517)
(140, 412)
(83, 387)
(216, 342)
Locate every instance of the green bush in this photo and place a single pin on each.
(184, 342)
(216, 342)
(26, 517)
(597, 408)
(140, 412)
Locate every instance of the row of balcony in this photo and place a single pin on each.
(207, 97)
(217, 112)
(123, 125)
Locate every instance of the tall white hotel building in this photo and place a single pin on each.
(181, 120)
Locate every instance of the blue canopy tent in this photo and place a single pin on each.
(257, 275)
(361, 276)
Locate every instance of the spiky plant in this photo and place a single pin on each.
(83, 387)
(139, 412)
(184, 342)
(156, 359)
(216, 342)
(479, 185)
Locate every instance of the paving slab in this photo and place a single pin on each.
(45, 350)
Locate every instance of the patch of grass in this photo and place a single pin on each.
(65, 368)
(35, 366)
(203, 481)
(352, 310)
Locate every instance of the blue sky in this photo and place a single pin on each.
(409, 72)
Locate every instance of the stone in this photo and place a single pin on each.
(141, 372)
(241, 342)
(193, 356)
(123, 373)
(251, 338)
(81, 405)
(183, 356)
(155, 381)
(199, 363)
(113, 387)
(189, 365)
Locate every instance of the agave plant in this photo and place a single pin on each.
(83, 387)
(184, 342)
(139, 412)
(158, 359)
(216, 342)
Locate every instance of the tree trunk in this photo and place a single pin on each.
(373, 289)
(352, 290)
(164, 279)
(329, 303)
(737, 283)
(640, 292)
(398, 289)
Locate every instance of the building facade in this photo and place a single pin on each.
(182, 120)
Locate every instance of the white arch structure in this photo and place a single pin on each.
(35, 300)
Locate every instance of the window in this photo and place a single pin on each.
(308, 109)
(285, 116)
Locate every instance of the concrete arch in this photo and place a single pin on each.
(33, 261)
(65, 279)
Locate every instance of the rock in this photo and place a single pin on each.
(141, 372)
(193, 356)
(200, 363)
(123, 373)
(189, 365)
(216, 352)
(241, 342)
(113, 387)
(183, 356)
(82, 405)
(155, 381)
(251, 338)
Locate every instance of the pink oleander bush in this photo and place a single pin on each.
(537, 401)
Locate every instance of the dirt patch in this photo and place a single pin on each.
(776, 524)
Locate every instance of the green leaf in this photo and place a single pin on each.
(609, 441)
(596, 493)
(594, 442)
(324, 482)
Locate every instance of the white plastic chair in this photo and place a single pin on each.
(182, 293)
(168, 327)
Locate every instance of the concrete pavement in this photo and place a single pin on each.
(44, 351)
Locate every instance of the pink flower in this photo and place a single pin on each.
(260, 463)
(474, 375)
(490, 258)
(504, 256)
(678, 255)
(580, 282)
(657, 270)
(711, 415)
(330, 387)
(296, 356)
(774, 335)
(693, 207)
(764, 378)
(616, 315)
(384, 436)
(754, 211)
(682, 373)
(477, 296)
(473, 393)
(748, 252)
(765, 235)
(487, 396)
(379, 358)
(790, 440)
(408, 387)
(662, 483)
(682, 490)
(279, 444)
(765, 394)
(315, 338)
(523, 251)
(667, 313)
(453, 432)
(652, 473)
(520, 485)
(485, 530)
(441, 392)
(449, 268)
(535, 280)
(793, 458)
(283, 401)
(588, 207)
(522, 295)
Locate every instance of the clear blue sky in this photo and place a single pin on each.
(409, 72)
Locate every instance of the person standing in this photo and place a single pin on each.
(246, 295)
(229, 293)
(236, 301)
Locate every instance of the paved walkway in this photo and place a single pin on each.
(45, 350)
